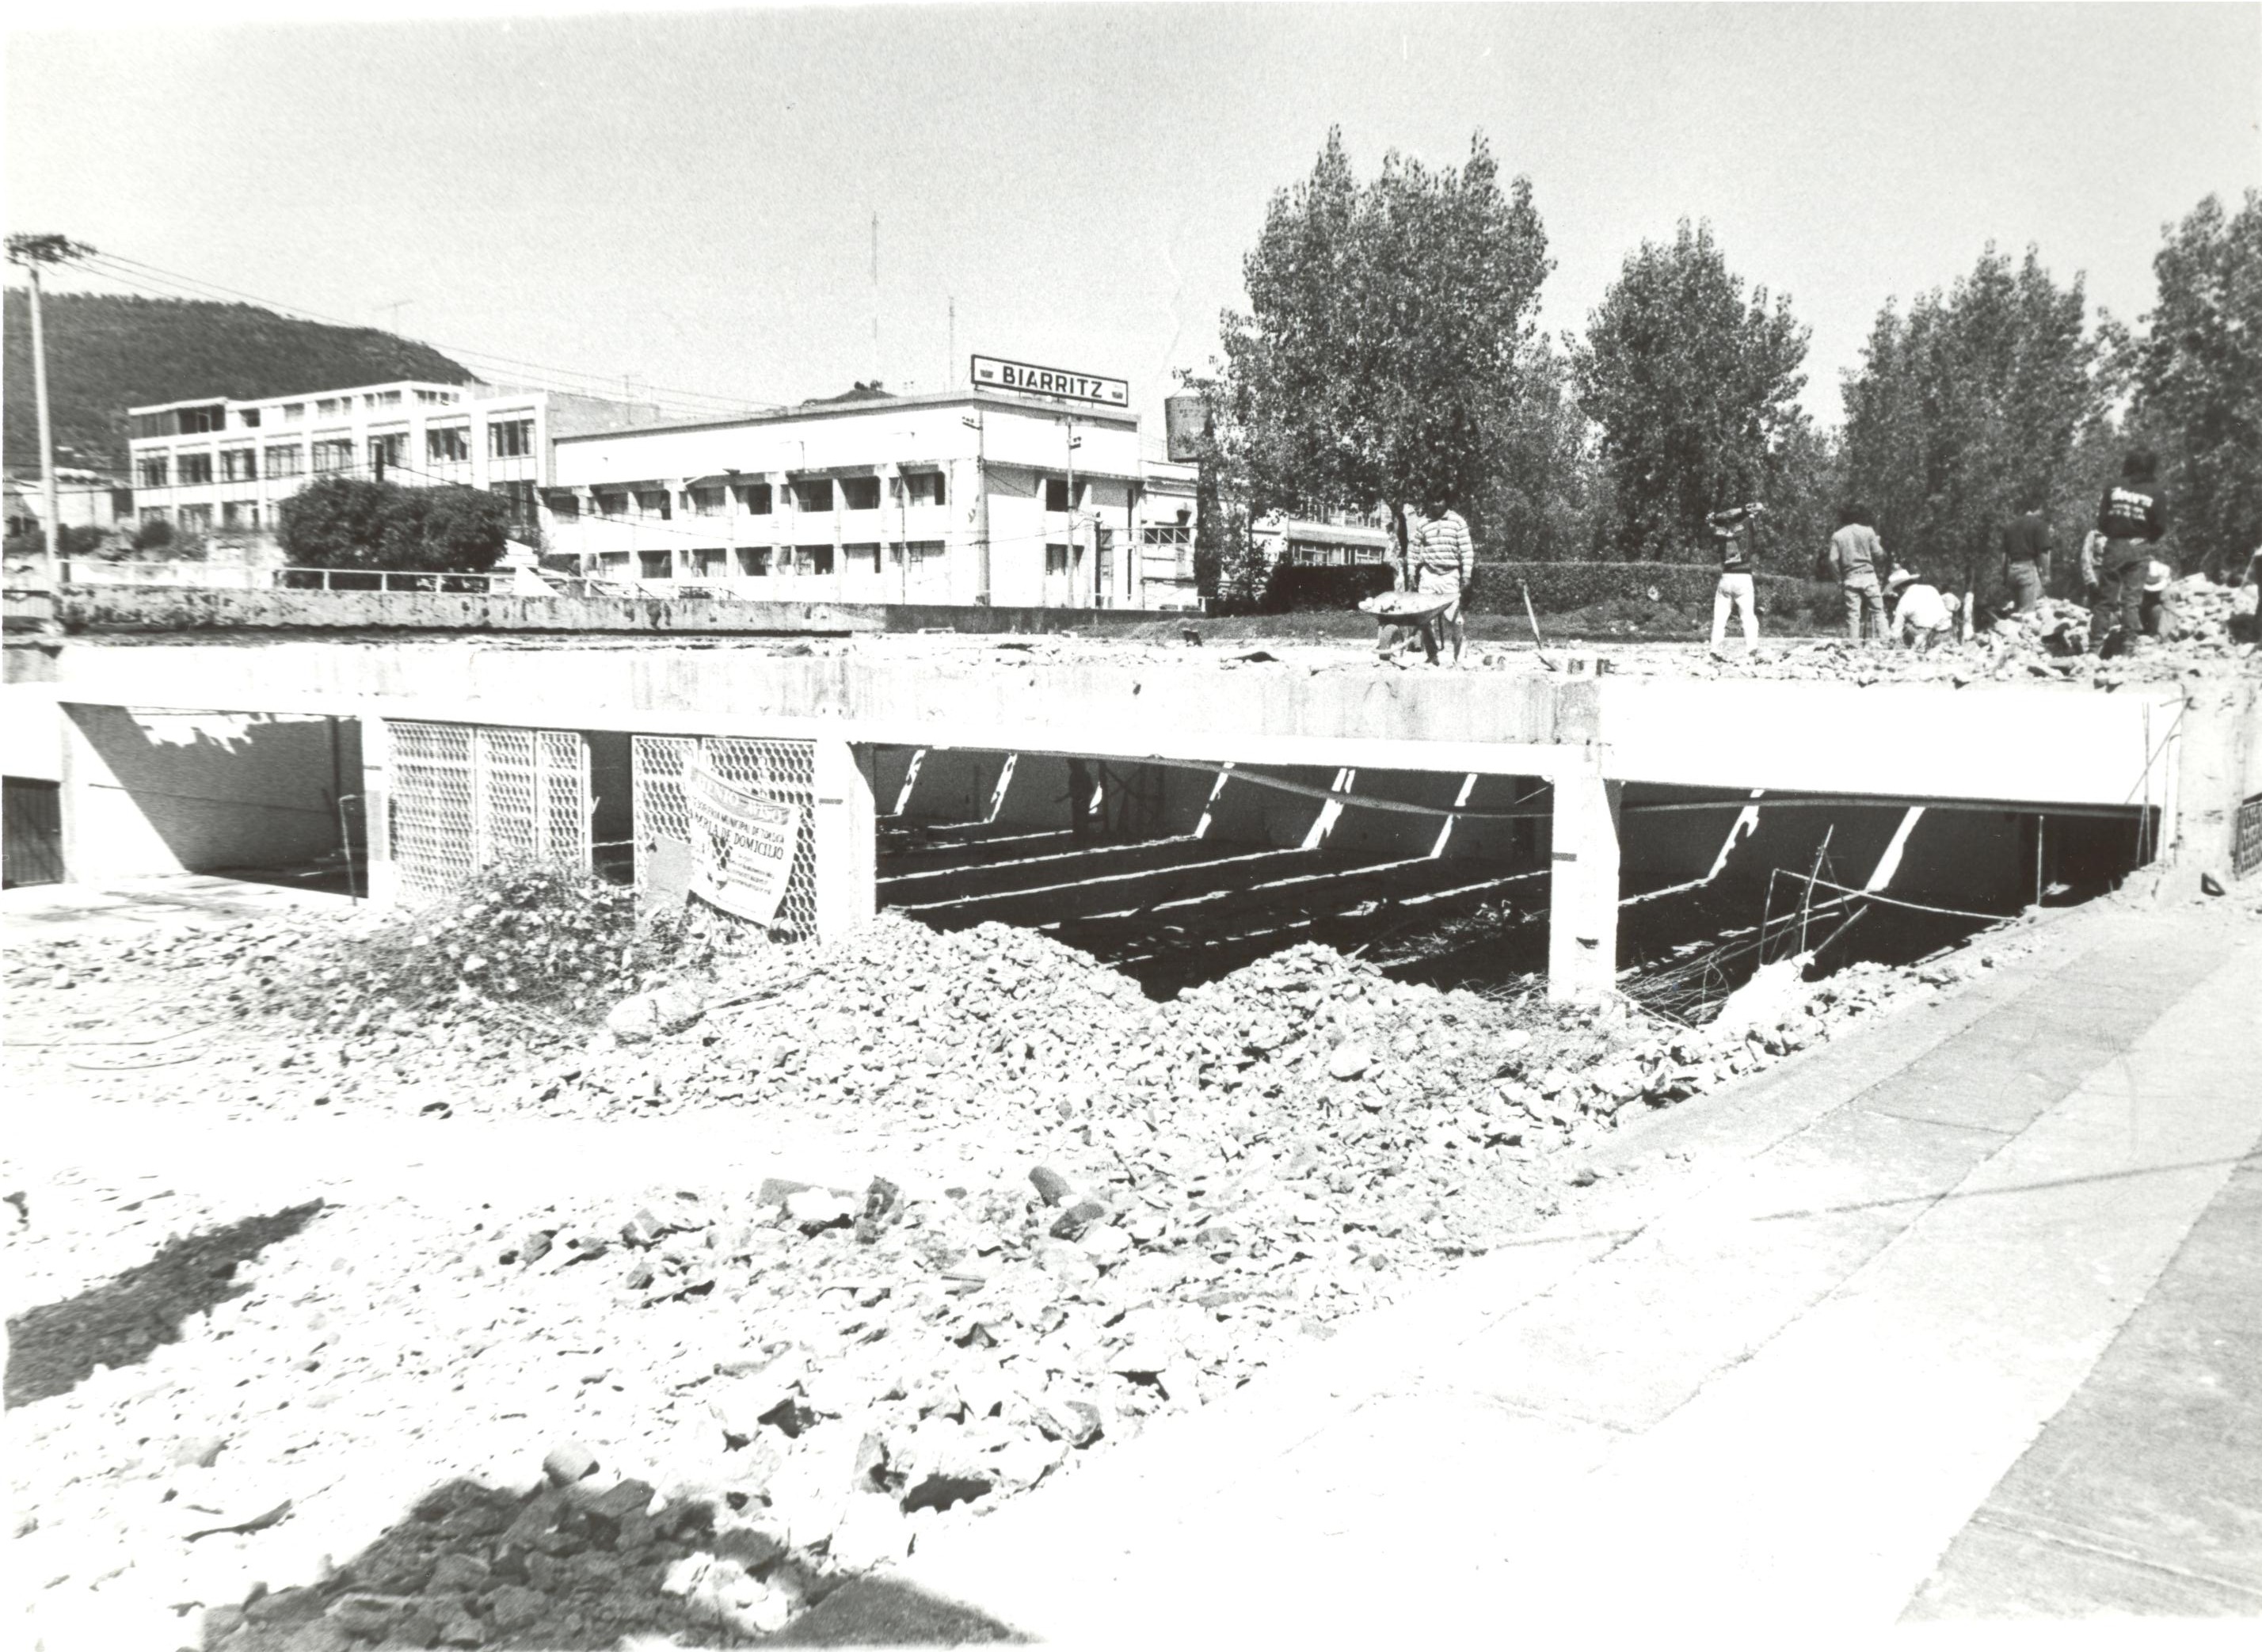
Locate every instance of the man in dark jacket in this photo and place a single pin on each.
(2133, 516)
(2026, 557)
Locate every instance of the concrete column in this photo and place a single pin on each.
(847, 840)
(384, 887)
(1583, 912)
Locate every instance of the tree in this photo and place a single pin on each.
(1968, 408)
(342, 522)
(1692, 388)
(2198, 378)
(1389, 349)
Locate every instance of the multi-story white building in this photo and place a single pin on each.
(974, 496)
(220, 467)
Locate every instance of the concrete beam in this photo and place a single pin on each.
(1583, 898)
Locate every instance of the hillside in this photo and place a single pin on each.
(107, 353)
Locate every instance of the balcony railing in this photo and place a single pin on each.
(389, 580)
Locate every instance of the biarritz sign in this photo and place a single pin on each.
(997, 374)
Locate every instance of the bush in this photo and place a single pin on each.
(342, 521)
(1556, 587)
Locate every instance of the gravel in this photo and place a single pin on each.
(780, 1385)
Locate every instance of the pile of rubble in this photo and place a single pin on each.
(796, 1380)
(2058, 643)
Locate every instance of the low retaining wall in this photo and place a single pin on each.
(115, 609)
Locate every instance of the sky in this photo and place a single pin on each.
(684, 199)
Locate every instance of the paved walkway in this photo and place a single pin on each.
(1953, 1317)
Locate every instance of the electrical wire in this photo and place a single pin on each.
(697, 403)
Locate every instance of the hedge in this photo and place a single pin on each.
(1556, 587)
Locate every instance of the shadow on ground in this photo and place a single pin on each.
(54, 1347)
(574, 1571)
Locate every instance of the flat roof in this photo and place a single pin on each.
(1092, 415)
(476, 387)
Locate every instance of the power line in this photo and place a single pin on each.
(199, 283)
(134, 272)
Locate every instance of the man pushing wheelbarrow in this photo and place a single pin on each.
(1434, 576)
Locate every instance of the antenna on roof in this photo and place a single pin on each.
(876, 301)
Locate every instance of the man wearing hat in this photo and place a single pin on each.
(1920, 613)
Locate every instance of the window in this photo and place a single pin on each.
(239, 513)
(755, 560)
(156, 513)
(1056, 493)
(813, 495)
(195, 468)
(755, 498)
(707, 501)
(239, 465)
(713, 564)
(612, 504)
(651, 565)
(861, 559)
(197, 420)
(814, 559)
(924, 550)
(439, 397)
(284, 461)
(615, 562)
(331, 407)
(1175, 545)
(293, 412)
(196, 518)
(247, 418)
(155, 470)
(451, 446)
(1056, 559)
(521, 495)
(382, 399)
(921, 487)
(510, 439)
(389, 451)
(655, 502)
(333, 455)
(564, 505)
(860, 493)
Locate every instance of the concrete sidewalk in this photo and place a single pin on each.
(1767, 1386)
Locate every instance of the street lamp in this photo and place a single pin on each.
(35, 253)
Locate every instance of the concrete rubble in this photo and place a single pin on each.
(705, 1403)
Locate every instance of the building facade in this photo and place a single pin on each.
(221, 468)
(971, 496)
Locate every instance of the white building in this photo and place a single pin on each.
(974, 496)
(87, 498)
(220, 467)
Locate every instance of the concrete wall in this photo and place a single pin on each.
(126, 608)
(146, 793)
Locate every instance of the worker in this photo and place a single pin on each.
(1922, 615)
(2026, 547)
(2157, 612)
(1733, 532)
(1442, 558)
(2092, 568)
(1857, 556)
(2133, 516)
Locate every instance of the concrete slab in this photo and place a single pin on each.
(1785, 1385)
(2144, 1494)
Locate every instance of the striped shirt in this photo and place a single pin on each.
(1441, 546)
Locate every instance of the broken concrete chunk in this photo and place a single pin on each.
(567, 1464)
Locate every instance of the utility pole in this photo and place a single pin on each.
(875, 301)
(34, 252)
(1074, 442)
